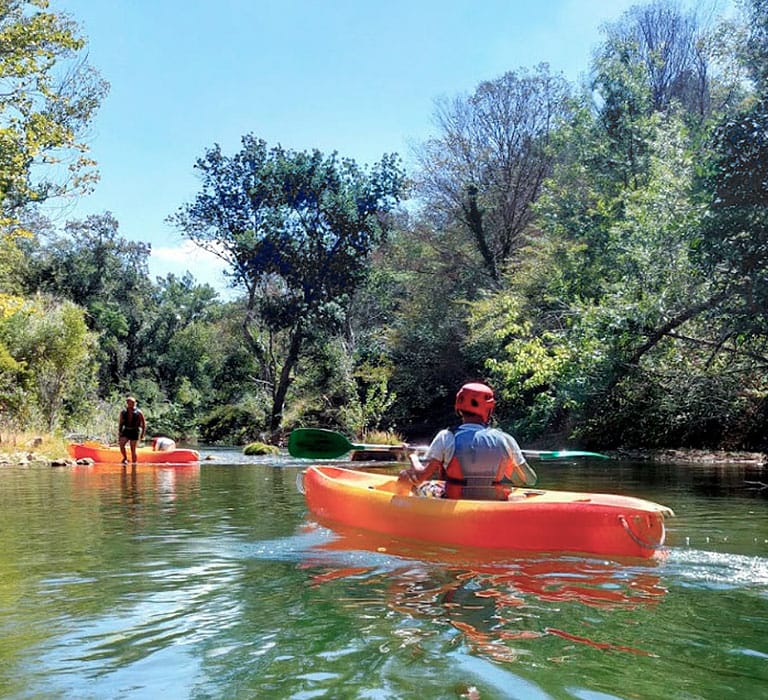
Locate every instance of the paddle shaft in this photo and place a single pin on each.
(318, 443)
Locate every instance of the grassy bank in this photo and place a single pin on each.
(20, 447)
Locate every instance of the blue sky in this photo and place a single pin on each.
(358, 77)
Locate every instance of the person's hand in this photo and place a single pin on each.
(409, 476)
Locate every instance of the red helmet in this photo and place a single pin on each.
(477, 399)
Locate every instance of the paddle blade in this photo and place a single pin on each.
(317, 443)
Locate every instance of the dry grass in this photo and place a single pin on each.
(383, 437)
(40, 445)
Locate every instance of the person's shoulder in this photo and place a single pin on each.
(443, 436)
(498, 432)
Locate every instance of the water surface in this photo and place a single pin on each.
(211, 581)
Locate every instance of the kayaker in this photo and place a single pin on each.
(163, 444)
(131, 427)
(474, 460)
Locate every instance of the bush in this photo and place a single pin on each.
(229, 425)
(260, 448)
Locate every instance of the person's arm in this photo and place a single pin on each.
(418, 472)
(433, 460)
(142, 425)
(518, 471)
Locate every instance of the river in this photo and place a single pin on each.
(211, 581)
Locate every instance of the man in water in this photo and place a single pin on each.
(130, 428)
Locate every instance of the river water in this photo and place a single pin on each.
(211, 581)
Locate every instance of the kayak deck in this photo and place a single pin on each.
(532, 519)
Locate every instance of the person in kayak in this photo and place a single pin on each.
(163, 444)
(131, 427)
(475, 460)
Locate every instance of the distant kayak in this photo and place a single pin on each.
(144, 455)
(532, 520)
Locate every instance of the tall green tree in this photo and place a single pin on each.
(607, 321)
(296, 229)
(572, 325)
(755, 49)
(92, 265)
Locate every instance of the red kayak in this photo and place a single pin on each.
(531, 520)
(104, 454)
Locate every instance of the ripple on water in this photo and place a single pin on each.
(717, 570)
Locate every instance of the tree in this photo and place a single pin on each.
(490, 159)
(49, 96)
(733, 242)
(670, 52)
(52, 350)
(177, 303)
(756, 46)
(573, 324)
(296, 229)
(93, 266)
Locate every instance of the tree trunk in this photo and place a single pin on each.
(474, 219)
(281, 389)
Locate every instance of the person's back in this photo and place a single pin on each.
(163, 444)
(479, 464)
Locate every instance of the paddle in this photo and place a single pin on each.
(318, 443)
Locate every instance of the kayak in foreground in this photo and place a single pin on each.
(531, 520)
(144, 455)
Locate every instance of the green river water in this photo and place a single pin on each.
(212, 581)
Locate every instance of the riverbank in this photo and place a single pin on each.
(688, 456)
(25, 448)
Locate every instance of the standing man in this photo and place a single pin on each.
(130, 428)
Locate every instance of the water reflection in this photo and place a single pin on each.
(492, 601)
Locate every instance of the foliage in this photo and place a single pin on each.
(590, 306)
(610, 328)
(47, 360)
(49, 96)
(488, 162)
(231, 424)
(733, 245)
(296, 229)
(258, 449)
(95, 267)
(755, 48)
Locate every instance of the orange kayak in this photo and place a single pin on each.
(144, 455)
(532, 520)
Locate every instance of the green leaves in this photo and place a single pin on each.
(49, 96)
(297, 229)
(49, 354)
